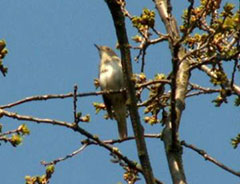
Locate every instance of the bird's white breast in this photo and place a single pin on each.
(111, 76)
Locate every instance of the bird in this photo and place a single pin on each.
(111, 78)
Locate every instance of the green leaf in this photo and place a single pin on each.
(228, 7)
(237, 101)
(50, 169)
(24, 129)
(235, 141)
(16, 140)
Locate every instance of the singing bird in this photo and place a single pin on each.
(111, 78)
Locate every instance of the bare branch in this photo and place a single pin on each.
(234, 68)
(211, 73)
(69, 95)
(114, 141)
(76, 120)
(36, 98)
(78, 129)
(119, 23)
(66, 157)
(180, 77)
(162, 81)
(56, 96)
(9, 132)
(209, 158)
(87, 143)
(5, 139)
(204, 89)
(143, 59)
(202, 92)
(158, 40)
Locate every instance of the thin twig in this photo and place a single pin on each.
(14, 115)
(234, 68)
(56, 96)
(158, 40)
(5, 139)
(114, 141)
(204, 89)
(151, 82)
(209, 158)
(75, 104)
(200, 93)
(9, 132)
(190, 8)
(66, 157)
(78, 129)
(69, 95)
(87, 143)
(36, 98)
(143, 58)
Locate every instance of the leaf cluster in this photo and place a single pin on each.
(15, 137)
(157, 101)
(219, 29)
(145, 21)
(3, 53)
(235, 141)
(44, 179)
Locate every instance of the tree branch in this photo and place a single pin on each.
(70, 95)
(119, 23)
(56, 96)
(180, 77)
(114, 141)
(66, 157)
(75, 104)
(87, 143)
(75, 127)
(211, 73)
(209, 158)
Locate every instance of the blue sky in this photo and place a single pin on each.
(51, 48)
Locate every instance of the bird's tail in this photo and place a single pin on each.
(120, 115)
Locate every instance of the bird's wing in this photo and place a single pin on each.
(108, 105)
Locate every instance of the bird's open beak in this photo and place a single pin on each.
(98, 47)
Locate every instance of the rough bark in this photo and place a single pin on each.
(180, 77)
(119, 23)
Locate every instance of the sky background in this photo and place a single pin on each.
(51, 48)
